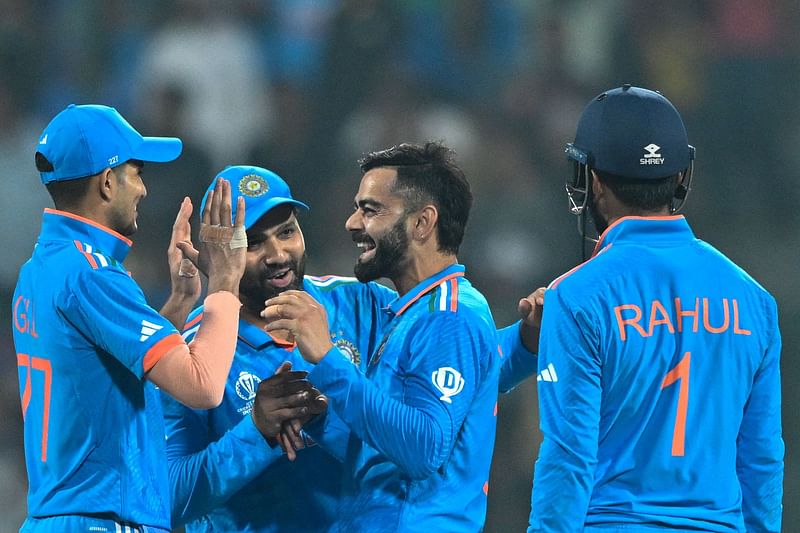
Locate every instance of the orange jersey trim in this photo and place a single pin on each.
(428, 289)
(453, 295)
(283, 343)
(86, 254)
(157, 351)
(574, 269)
(599, 245)
(90, 222)
(193, 321)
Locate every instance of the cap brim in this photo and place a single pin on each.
(158, 149)
(252, 215)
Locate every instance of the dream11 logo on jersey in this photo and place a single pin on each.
(449, 382)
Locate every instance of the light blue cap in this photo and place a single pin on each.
(261, 189)
(83, 140)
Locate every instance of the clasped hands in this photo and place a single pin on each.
(287, 400)
(284, 402)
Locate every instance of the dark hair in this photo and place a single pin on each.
(68, 194)
(644, 194)
(428, 174)
(65, 194)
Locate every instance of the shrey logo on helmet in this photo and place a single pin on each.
(652, 157)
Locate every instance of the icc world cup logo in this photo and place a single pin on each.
(246, 385)
(449, 382)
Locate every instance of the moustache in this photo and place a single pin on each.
(272, 270)
(360, 237)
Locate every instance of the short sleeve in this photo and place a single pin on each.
(108, 307)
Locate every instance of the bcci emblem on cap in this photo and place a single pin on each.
(449, 382)
(253, 186)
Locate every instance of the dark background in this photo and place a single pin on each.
(304, 87)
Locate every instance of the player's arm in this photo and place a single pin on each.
(203, 474)
(418, 433)
(569, 416)
(760, 449)
(331, 433)
(519, 342)
(195, 374)
(183, 274)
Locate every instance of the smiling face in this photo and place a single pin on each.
(378, 226)
(275, 258)
(123, 212)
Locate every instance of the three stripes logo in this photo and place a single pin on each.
(148, 328)
(548, 374)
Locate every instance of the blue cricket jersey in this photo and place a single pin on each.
(516, 363)
(416, 430)
(224, 475)
(85, 337)
(659, 390)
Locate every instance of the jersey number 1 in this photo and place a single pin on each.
(679, 373)
(43, 365)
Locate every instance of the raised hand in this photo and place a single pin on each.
(223, 246)
(182, 271)
(530, 310)
(304, 318)
(183, 274)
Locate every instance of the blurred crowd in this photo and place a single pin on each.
(305, 87)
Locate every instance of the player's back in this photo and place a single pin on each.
(682, 336)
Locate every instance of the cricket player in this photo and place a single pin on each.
(659, 385)
(225, 476)
(90, 351)
(415, 430)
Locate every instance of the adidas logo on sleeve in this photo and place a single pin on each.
(548, 374)
(148, 328)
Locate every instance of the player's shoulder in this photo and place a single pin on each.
(342, 287)
(719, 263)
(585, 276)
(457, 300)
(82, 256)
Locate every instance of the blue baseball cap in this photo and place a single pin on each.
(633, 133)
(83, 140)
(261, 189)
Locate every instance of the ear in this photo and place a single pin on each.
(424, 223)
(597, 186)
(107, 184)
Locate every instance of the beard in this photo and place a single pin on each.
(123, 223)
(255, 288)
(600, 224)
(390, 251)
